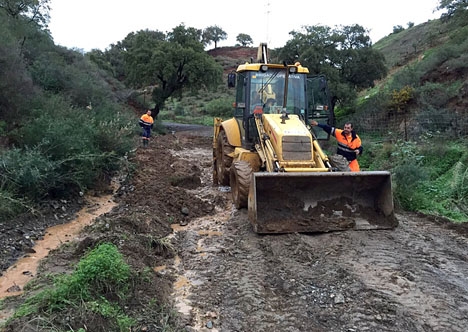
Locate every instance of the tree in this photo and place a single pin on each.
(453, 7)
(16, 86)
(171, 64)
(186, 36)
(214, 34)
(244, 39)
(344, 54)
(398, 28)
(138, 49)
(400, 101)
(34, 10)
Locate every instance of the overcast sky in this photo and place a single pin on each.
(89, 24)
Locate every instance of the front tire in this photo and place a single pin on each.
(240, 177)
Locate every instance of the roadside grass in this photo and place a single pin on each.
(98, 294)
(99, 282)
(429, 177)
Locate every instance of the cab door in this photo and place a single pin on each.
(319, 106)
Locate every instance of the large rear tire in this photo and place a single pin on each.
(241, 175)
(223, 161)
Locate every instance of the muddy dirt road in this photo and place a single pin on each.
(413, 278)
(224, 277)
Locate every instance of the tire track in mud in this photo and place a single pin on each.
(419, 266)
(413, 278)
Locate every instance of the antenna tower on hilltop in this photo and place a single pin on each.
(268, 22)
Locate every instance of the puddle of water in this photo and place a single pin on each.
(181, 282)
(159, 268)
(185, 280)
(19, 274)
(177, 227)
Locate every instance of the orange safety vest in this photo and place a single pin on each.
(347, 145)
(147, 119)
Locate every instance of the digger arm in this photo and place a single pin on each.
(265, 148)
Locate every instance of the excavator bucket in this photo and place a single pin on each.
(320, 201)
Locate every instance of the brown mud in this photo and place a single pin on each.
(19, 274)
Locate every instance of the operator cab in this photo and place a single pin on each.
(277, 89)
(261, 90)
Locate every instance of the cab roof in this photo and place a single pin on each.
(257, 67)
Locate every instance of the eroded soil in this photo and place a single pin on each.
(221, 276)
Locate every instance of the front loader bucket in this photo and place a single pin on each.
(320, 202)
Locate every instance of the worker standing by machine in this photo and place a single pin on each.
(349, 143)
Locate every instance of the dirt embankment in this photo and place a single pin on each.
(221, 276)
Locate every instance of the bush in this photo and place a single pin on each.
(433, 160)
(430, 178)
(407, 178)
(100, 277)
(10, 205)
(221, 107)
(27, 172)
(459, 186)
(65, 149)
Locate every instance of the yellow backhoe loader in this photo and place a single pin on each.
(271, 158)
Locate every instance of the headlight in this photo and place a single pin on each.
(292, 70)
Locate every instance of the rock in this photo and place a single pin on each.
(14, 288)
(185, 211)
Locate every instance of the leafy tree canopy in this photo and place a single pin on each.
(344, 54)
(170, 63)
(244, 39)
(453, 7)
(214, 34)
(34, 10)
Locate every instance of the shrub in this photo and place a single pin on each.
(27, 172)
(459, 186)
(72, 148)
(221, 107)
(407, 178)
(101, 276)
(10, 205)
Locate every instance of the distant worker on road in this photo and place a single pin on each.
(146, 122)
(349, 143)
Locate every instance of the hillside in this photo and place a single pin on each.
(426, 50)
(433, 51)
(231, 57)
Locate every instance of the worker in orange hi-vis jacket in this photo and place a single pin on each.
(349, 143)
(146, 122)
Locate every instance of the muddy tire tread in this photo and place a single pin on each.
(240, 178)
(223, 161)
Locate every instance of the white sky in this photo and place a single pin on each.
(89, 24)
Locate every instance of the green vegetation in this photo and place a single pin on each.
(429, 177)
(101, 278)
(97, 295)
(73, 131)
